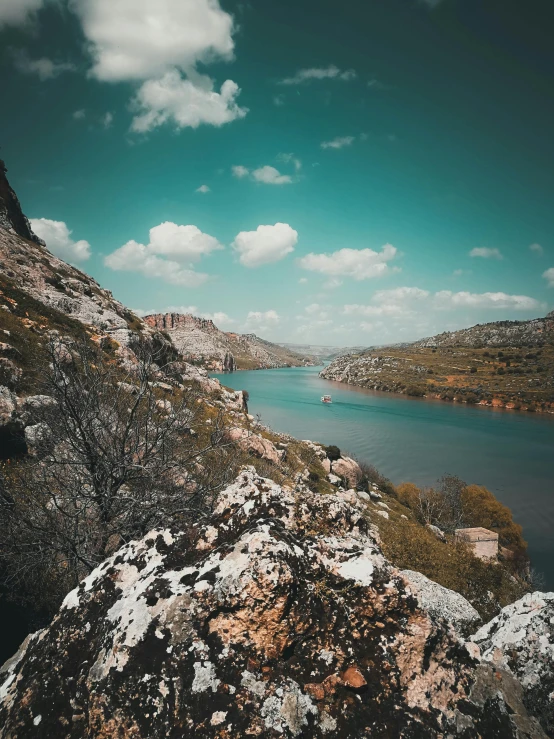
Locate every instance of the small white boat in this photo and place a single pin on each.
(326, 399)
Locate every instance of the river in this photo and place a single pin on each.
(417, 440)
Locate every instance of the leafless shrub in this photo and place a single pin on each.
(122, 456)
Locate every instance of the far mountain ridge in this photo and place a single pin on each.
(200, 341)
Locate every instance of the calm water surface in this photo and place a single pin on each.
(415, 440)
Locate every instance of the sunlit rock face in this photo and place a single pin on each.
(521, 638)
(277, 617)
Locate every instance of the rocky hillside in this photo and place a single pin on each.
(507, 363)
(275, 611)
(278, 616)
(201, 342)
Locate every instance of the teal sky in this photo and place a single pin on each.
(422, 124)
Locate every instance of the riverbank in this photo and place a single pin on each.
(418, 440)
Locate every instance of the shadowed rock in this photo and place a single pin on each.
(278, 617)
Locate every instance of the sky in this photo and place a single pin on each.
(347, 174)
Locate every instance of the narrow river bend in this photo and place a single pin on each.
(410, 439)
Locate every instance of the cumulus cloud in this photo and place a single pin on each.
(267, 175)
(265, 245)
(160, 44)
(57, 237)
(339, 143)
(79, 115)
(177, 100)
(17, 12)
(360, 264)
(138, 39)
(203, 189)
(549, 276)
(44, 68)
(107, 120)
(261, 320)
(169, 255)
(221, 319)
(239, 171)
(302, 280)
(319, 73)
(279, 100)
(536, 249)
(496, 300)
(486, 253)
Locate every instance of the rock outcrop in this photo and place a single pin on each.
(11, 215)
(199, 340)
(278, 617)
(521, 638)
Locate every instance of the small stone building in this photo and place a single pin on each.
(483, 542)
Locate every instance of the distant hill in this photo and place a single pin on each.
(505, 363)
(319, 351)
(201, 342)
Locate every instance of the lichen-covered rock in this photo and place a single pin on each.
(443, 603)
(277, 617)
(521, 638)
(7, 405)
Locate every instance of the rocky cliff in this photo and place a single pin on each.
(11, 216)
(200, 341)
(279, 616)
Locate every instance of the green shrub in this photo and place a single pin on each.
(332, 452)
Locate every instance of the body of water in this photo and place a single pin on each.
(415, 440)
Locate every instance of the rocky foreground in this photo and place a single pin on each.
(278, 616)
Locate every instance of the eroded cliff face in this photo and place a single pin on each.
(279, 616)
(199, 340)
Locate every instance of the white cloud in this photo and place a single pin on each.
(169, 255)
(339, 143)
(266, 174)
(44, 68)
(175, 99)
(549, 276)
(139, 39)
(291, 159)
(78, 115)
(332, 283)
(395, 302)
(221, 319)
(375, 84)
(278, 100)
(265, 245)
(239, 171)
(497, 300)
(160, 44)
(319, 73)
(16, 12)
(271, 176)
(360, 264)
(203, 189)
(302, 280)
(57, 237)
(106, 120)
(261, 320)
(537, 249)
(485, 253)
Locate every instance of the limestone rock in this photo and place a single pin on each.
(254, 623)
(521, 638)
(256, 444)
(347, 469)
(440, 602)
(7, 405)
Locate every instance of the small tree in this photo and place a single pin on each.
(116, 456)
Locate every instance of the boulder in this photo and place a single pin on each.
(254, 622)
(442, 603)
(521, 638)
(256, 444)
(437, 532)
(7, 405)
(37, 436)
(348, 470)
